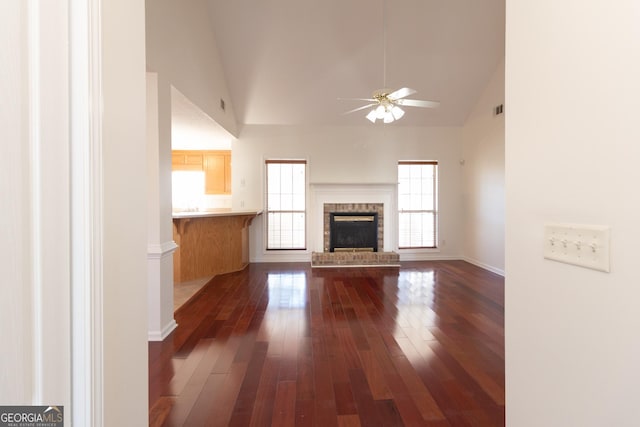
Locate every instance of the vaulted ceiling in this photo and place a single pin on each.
(288, 61)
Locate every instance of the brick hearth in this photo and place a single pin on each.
(351, 259)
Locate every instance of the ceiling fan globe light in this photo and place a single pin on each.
(388, 117)
(372, 116)
(380, 112)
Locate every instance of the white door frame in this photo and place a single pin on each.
(87, 333)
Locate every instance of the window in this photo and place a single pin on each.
(286, 204)
(417, 204)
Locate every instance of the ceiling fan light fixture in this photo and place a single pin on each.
(380, 112)
(372, 116)
(388, 117)
(397, 112)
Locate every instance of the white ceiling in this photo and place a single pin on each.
(193, 129)
(288, 61)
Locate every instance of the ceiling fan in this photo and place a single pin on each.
(386, 103)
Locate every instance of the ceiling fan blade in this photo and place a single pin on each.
(357, 99)
(417, 103)
(359, 108)
(401, 93)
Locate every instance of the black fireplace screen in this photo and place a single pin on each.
(353, 231)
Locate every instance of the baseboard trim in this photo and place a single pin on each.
(161, 335)
(403, 257)
(426, 256)
(484, 266)
(282, 257)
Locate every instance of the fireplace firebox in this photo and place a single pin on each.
(353, 232)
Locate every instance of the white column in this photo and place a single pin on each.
(159, 223)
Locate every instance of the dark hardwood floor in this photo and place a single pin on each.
(285, 345)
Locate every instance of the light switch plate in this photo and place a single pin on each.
(578, 244)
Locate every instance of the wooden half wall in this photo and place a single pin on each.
(210, 245)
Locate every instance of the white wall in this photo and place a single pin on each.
(572, 150)
(483, 178)
(181, 48)
(356, 155)
(125, 214)
(193, 129)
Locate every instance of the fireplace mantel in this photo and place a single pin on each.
(323, 193)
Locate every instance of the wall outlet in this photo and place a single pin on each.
(576, 244)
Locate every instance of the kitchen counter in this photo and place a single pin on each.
(210, 242)
(214, 212)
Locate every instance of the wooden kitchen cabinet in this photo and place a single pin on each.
(216, 165)
(186, 160)
(217, 168)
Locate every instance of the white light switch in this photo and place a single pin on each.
(581, 245)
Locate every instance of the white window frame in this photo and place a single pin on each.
(434, 211)
(268, 211)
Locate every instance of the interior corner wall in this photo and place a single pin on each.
(181, 48)
(159, 158)
(349, 155)
(483, 178)
(571, 132)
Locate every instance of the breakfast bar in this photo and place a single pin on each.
(210, 243)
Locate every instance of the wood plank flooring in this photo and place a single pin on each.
(287, 345)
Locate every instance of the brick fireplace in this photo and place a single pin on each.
(328, 199)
